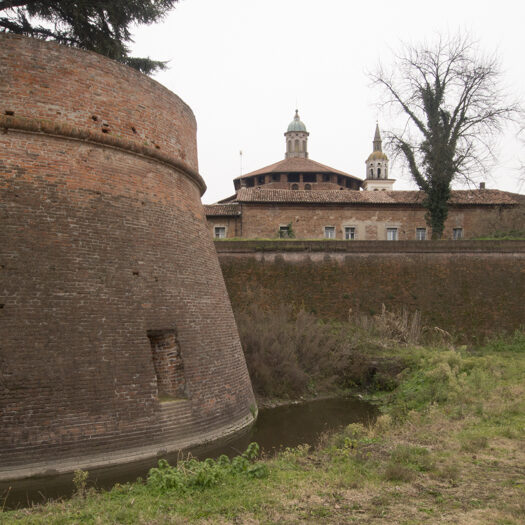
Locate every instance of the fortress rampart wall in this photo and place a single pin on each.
(117, 338)
(472, 288)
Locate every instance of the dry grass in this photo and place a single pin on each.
(450, 449)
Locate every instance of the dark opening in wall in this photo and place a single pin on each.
(310, 177)
(293, 177)
(168, 364)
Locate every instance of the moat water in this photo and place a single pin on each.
(275, 429)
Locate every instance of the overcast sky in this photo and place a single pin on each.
(245, 65)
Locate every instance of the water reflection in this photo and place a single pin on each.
(286, 426)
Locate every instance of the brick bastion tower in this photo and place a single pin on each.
(117, 338)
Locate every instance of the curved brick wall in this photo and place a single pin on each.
(110, 287)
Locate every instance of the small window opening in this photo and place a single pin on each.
(310, 177)
(295, 186)
(293, 177)
(260, 179)
(457, 233)
(307, 186)
(349, 233)
(168, 364)
(276, 177)
(421, 234)
(391, 234)
(329, 232)
(250, 182)
(284, 232)
(378, 173)
(326, 177)
(219, 232)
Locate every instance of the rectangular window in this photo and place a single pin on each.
(250, 182)
(219, 232)
(349, 233)
(168, 364)
(421, 234)
(276, 177)
(284, 232)
(391, 234)
(309, 177)
(329, 232)
(293, 177)
(326, 177)
(457, 233)
(340, 180)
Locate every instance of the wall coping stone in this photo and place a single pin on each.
(393, 247)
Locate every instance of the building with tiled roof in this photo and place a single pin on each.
(299, 197)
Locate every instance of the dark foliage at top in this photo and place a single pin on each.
(96, 25)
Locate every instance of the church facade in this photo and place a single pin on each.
(300, 198)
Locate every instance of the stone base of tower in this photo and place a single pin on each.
(378, 184)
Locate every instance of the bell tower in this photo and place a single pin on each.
(377, 167)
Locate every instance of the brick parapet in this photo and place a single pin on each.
(446, 247)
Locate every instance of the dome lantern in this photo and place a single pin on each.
(296, 138)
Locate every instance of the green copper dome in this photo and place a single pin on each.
(296, 124)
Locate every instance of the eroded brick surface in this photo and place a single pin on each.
(98, 246)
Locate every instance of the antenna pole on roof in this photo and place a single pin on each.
(240, 156)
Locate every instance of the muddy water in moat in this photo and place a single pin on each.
(276, 428)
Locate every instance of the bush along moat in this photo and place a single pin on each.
(449, 444)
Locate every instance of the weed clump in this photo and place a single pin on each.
(194, 474)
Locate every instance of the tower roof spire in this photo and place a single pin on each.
(377, 143)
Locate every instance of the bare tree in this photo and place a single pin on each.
(451, 97)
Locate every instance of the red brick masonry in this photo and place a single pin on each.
(471, 288)
(110, 287)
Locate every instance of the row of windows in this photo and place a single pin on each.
(350, 233)
(296, 177)
(391, 233)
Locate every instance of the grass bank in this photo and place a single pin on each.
(448, 448)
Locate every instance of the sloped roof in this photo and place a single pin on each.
(222, 209)
(458, 197)
(297, 165)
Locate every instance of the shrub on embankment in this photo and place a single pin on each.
(292, 354)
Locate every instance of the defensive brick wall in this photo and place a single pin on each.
(117, 338)
(472, 288)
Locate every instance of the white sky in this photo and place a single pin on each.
(244, 65)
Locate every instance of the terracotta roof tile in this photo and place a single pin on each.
(458, 197)
(222, 209)
(297, 164)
